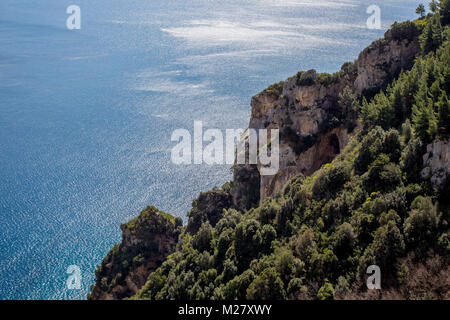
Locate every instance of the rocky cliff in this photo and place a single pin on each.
(146, 242)
(310, 112)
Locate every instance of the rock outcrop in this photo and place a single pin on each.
(208, 207)
(437, 163)
(382, 61)
(314, 126)
(146, 242)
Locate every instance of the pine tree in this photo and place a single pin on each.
(435, 92)
(444, 116)
(433, 6)
(436, 29)
(365, 112)
(425, 123)
(424, 119)
(397, 104)
(409, 89)
(385, 111)
(444, 61)
(421, 10)
(426, 39)
(431, 37)
(348, 101)
(444, 10)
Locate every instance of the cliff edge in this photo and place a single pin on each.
(314, 115)
(146, 242)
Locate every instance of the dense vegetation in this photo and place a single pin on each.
(421, 94)
(316, 238)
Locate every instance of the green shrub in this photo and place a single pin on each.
(349, 68)
(268, 235)
(275, 89)
(371, 147)
(203, 210)
(287, 265)
(237, 288)
(202, 240)
(247, 242)
(421, 227)
(229, 270)
(330, 181)
(406, 30)
(267, 286)
(326, 292)
(412, 161)
(388, 245)
(306, 79)
(382, 175)
(392, 145)
(223, 244)
(343, 240)
(305, 244)
(296, 290)
(349, 104)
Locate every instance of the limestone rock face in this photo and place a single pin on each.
(437, 163)
(313, 127)
(208, 207)
(146, 242)
(246, 190)
(383, 60)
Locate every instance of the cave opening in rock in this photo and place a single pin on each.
(334, 143)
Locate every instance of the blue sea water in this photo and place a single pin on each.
(86, 115)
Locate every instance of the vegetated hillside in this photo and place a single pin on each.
(383, 200)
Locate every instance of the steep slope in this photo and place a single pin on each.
(363, 181)
(311, 111)
(146, 242)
